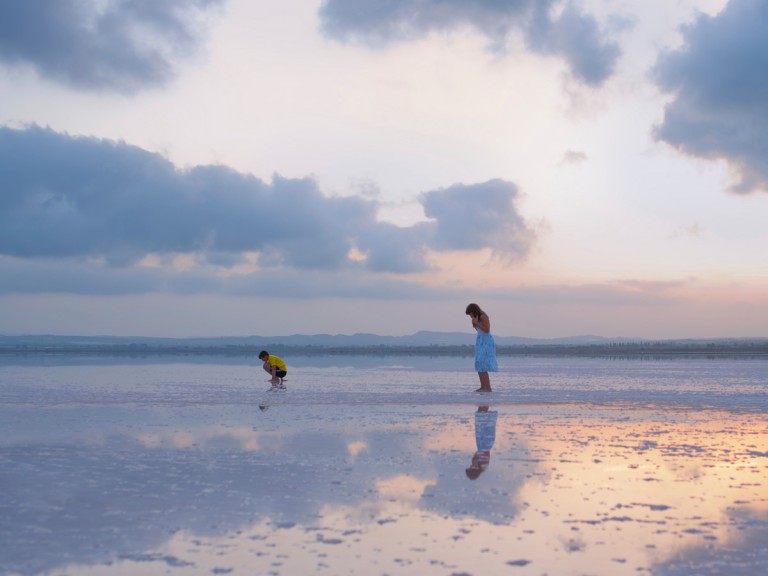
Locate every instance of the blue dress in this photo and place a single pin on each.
(485, 430)
(485, 352)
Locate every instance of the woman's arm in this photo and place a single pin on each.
(484, 323)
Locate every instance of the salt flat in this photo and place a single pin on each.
(596, 467)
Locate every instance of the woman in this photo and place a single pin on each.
(485, 346)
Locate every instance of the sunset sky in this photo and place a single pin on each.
(239, 167)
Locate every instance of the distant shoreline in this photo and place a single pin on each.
(670, 349)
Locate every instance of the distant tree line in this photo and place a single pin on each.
(649, 349)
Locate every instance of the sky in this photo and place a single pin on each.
(245, 167)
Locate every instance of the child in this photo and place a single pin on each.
(275, 367)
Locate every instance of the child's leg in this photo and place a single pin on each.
(268, 370)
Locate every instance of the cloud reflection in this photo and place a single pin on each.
(300, 489)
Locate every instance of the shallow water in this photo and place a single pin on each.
(597, 467)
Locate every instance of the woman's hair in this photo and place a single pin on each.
(474, 310)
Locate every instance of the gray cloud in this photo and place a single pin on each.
(478, 216)
(574, 36)
(84, 212)
(720, 86)
(391, 248)
(119, 45)
(88, 277)
(75, 196)
(549, 27)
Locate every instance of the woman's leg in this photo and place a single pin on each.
(485, 381)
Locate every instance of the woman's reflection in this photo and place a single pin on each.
(485, 436)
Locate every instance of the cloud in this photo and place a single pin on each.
(574, 36)
(76, 196)
(462, 217)
(478, 216)
(573, 157)
(88, 277)
(119, 45)
(692, 231)
(549, 27)
(390, 248)
(84, 214)
(720, 87)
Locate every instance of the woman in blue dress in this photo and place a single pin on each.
(485, 346)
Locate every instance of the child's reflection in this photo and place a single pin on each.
(485, 436)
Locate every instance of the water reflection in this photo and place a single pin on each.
(485, 436)
(383, 489)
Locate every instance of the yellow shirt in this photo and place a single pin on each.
(277, 362)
